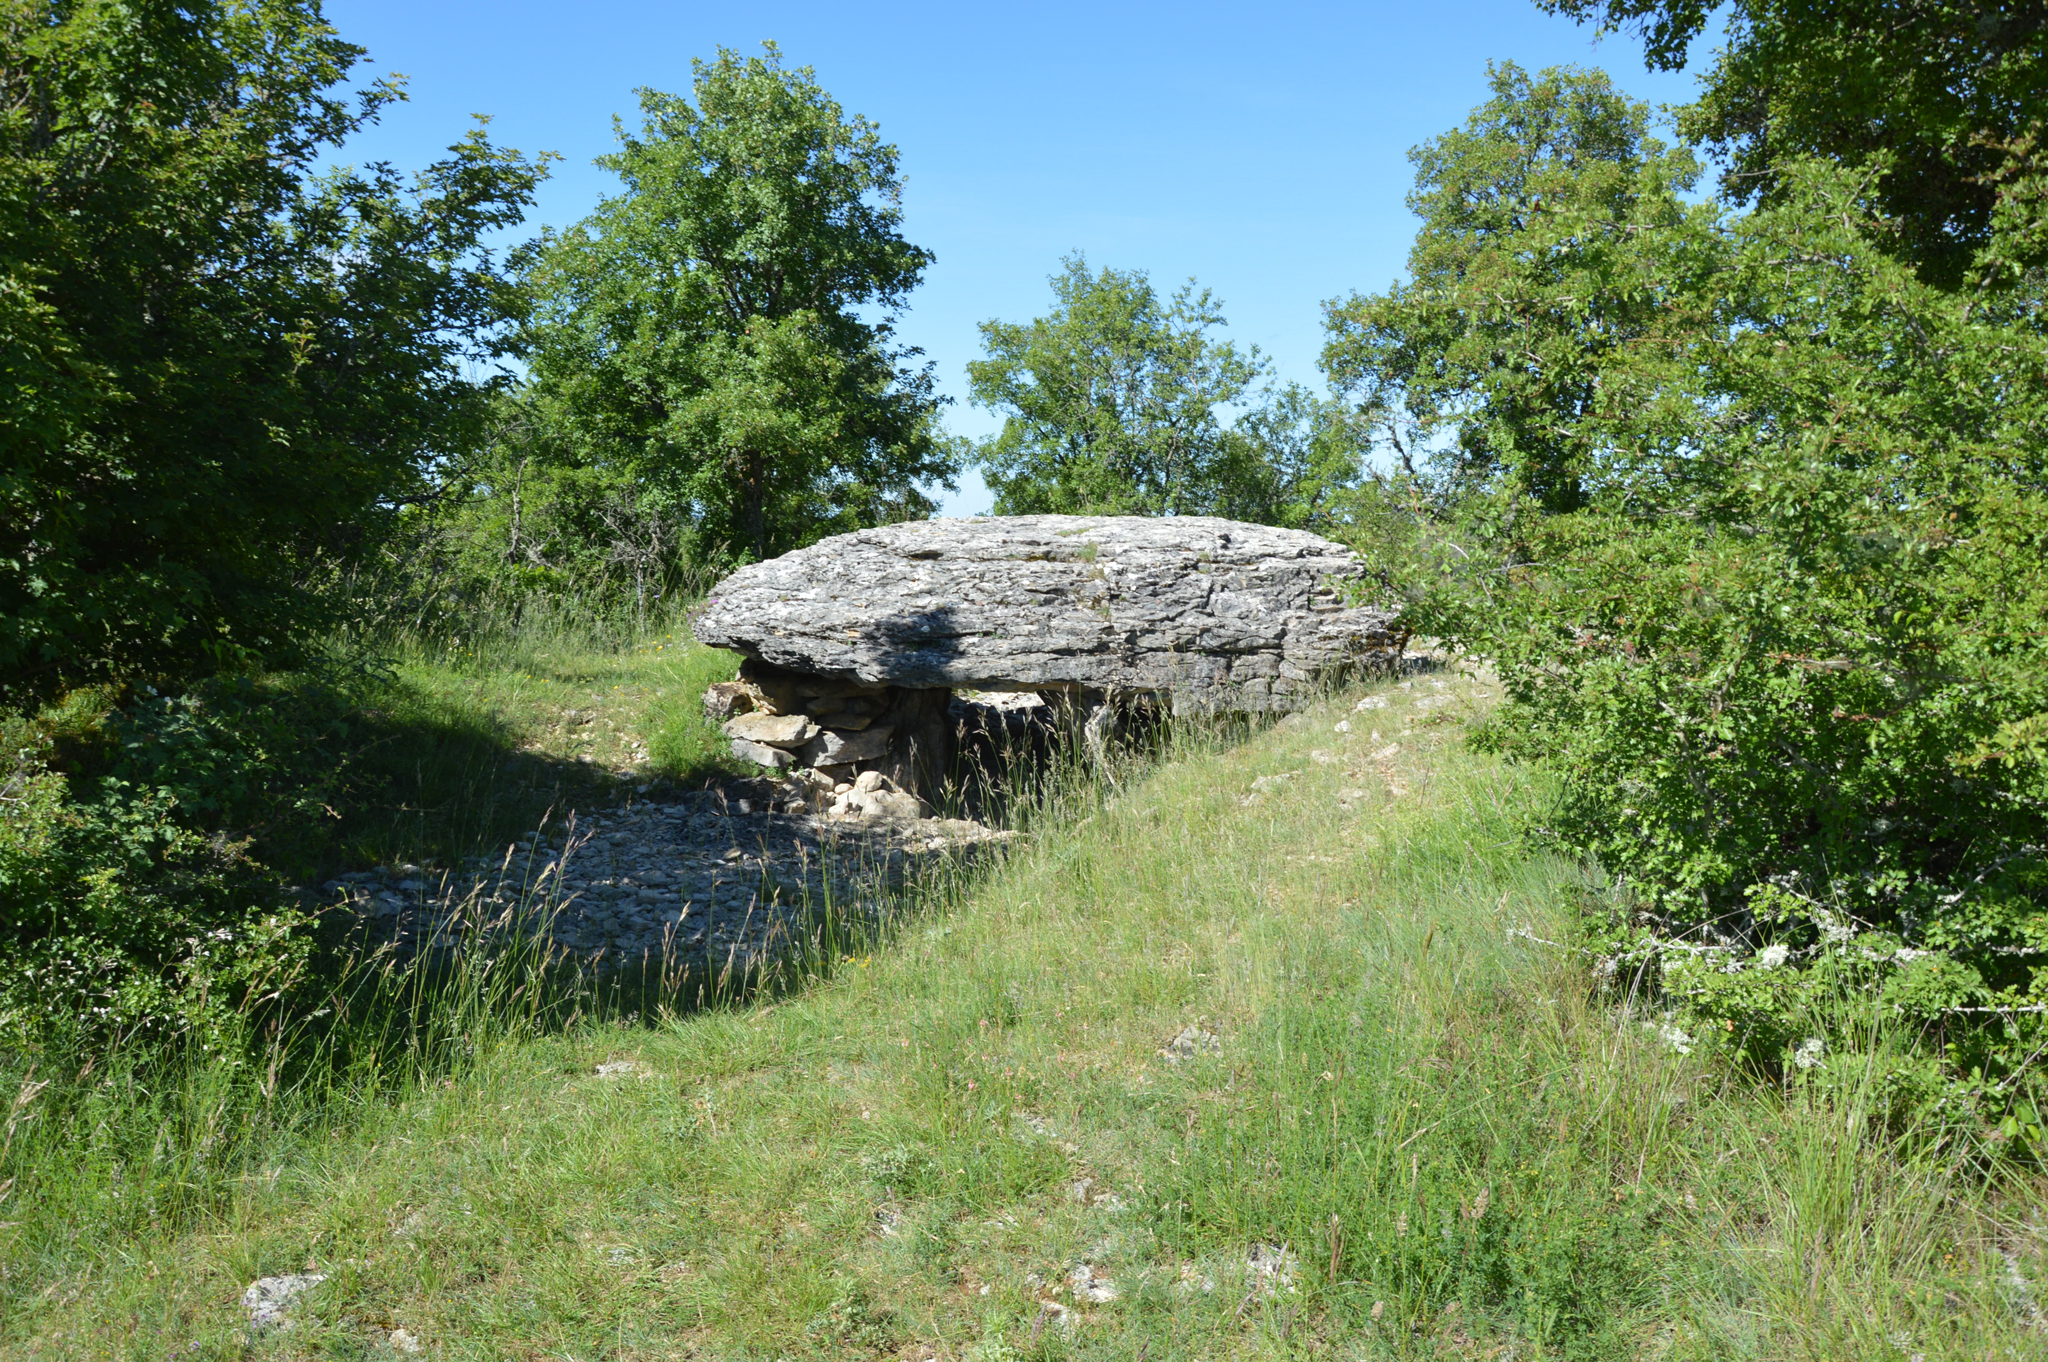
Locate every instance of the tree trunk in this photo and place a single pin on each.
(756, 491)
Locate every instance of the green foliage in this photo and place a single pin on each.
(119, 915)
(1761, 565)
(1944, 99)
(1111, 405)
(221, 364)
(980, 1101)
(516, 530)
(1482, 368)
(1110, 400)
(703, 338)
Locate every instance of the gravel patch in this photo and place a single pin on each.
(726, 876)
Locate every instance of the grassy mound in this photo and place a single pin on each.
(1266, 1053)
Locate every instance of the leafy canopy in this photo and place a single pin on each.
(1945, 99)
(1114, 404)
(221, 368)
(1749, 516)
(706, 334)
(1527, 286)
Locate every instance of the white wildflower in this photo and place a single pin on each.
(1773, 955)
(1811, 1052)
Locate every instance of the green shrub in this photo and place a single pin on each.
(121, 917)
(146, 840)
(227, 365)
(1795, 682)
(1753, 521)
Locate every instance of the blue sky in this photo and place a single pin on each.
(1260, 149)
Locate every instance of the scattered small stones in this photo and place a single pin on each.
(1370, 702)
(1192, 1279)
(403, 1340)
(1191, 1043)
(716, 877)
(1091, 1284)
(268, 1300)
(1096, 1197)
(1265, 784)
(1271, 1268)
(887, 1222)
(622, 1068)
(1322, 756)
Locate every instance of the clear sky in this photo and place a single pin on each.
(1261, 149)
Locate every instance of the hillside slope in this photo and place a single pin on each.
(1267, 1055)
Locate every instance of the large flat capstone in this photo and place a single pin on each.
(1216, 614)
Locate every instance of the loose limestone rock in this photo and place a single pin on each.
(776, 730)
(834, 748)
(268, 1301)
(1216, 614)
(761, 754)
(724, 699)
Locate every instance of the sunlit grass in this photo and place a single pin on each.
(1387, 1089)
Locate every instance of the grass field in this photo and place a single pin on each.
(1266, 1054)
(484, 736)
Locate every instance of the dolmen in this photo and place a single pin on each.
(853, 648)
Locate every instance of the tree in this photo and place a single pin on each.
(1945, 99)
(1527, 290)
(1111, 400)
(1782, 642)
(1297, 463)
(705, 335)
(219, 365)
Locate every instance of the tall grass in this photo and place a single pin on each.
(142, 1139)
(1271, 1051)
(421, 746)
(137, 1141)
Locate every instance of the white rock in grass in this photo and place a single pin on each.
(1090, 1283)
(1053, 1313)
(268, 1299)
(1190, 1043)
(1370, 702)
(1271, 1268)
